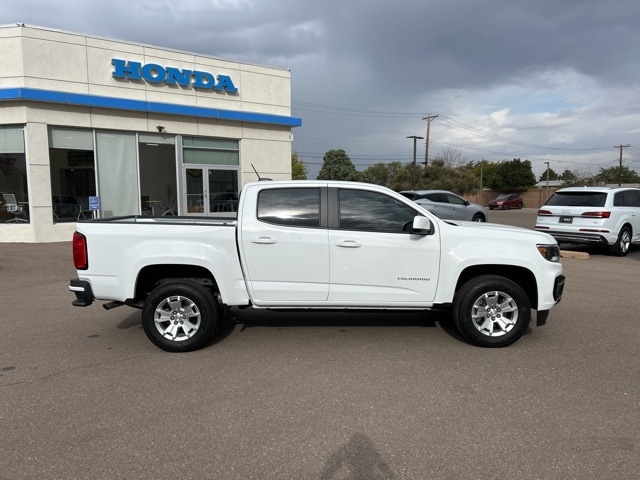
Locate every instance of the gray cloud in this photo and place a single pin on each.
(559, 75)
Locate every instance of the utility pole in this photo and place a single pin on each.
(479, 191)
(620, 168)
(428, 118)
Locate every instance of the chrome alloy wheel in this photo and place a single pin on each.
(177, 318)
(624, 241)
(494, 313)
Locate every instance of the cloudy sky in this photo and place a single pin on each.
(553, 81)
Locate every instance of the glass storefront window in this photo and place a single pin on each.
(211, 175)
(118, 173)
(73, 173)
(14, 195)
(158, 178)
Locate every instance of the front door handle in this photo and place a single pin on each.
(264, 240)
(348, 244)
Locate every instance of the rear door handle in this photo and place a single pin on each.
(348, 244)
(264, 240)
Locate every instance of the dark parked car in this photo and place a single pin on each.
(447, 205)
(506, 200)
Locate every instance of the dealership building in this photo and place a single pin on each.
(97, 128)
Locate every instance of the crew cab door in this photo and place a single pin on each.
(284, 246)
(375, 260)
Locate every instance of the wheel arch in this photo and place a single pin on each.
(519, 275)
(628, 225)
(151, 276)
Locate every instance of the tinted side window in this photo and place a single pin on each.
(296, 207)
(628, 198)
(454, 199)
(437, 197)
(373, 211)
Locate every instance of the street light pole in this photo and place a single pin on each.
(413, 168)
(547, 197)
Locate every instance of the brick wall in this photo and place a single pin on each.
(532, 198)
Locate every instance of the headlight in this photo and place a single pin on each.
(550, 252)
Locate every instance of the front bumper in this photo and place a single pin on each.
(83, 292)
(558, 288)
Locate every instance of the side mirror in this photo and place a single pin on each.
(421, 226)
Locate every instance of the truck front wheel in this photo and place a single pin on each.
(180, 316)
(491, 311)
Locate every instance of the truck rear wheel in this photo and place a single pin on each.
(491, 311)
(180, 316)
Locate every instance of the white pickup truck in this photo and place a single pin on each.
(316, 245)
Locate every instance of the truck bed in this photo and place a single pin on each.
(169, 220)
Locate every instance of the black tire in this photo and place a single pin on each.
(505, 206)
(184, 310)
(497, 326)
(478, 217)
(520, 205)
(622, 245)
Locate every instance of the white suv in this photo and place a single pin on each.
(593, 216)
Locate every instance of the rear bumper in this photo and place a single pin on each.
(83, 292)
(582, 238)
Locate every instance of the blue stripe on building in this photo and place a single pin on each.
(37, 95)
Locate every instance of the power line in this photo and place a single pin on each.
(492, 136)
(444, 121)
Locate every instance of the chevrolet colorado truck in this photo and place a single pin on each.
(316, 245)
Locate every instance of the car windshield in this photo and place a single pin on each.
(578, 199)
(502, 196)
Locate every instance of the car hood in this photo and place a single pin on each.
(489, 230)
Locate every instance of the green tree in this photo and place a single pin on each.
(485, 171)
(338, 166)
(513, 175)
(567, 176)
(403, 178)
(617, 175)
(381, 173)
(299, 170)
(439, 176)
(552, 175)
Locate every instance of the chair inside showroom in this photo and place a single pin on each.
(84, 211)
(169, 208)
(145, 206)
(12, 207)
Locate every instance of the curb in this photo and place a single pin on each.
(576, 255)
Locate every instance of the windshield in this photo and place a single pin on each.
(578, 199)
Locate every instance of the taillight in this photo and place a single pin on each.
(596, 214)
(80, 260)
(544, 212)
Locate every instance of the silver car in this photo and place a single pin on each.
(447, 205)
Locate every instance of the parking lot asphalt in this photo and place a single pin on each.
(316, 395)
